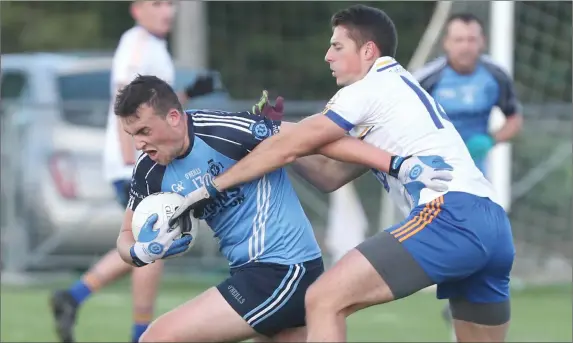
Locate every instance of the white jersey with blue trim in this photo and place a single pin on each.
(258, 221)
(389, 110)
(138, 52)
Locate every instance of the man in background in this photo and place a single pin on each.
(141, 50)
(469, 85)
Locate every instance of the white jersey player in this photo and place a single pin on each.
(455, 236)
(139, 52)
(389, 110)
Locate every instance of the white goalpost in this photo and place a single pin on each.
(501, 50)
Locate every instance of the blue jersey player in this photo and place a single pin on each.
(468, 85)
(261, 226)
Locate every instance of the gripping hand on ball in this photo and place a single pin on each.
(152, 245)
(419, 172)
(195, 200)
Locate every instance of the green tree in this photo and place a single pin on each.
(280, 45)
(28, 26)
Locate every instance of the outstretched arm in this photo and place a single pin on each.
(315, 134)
(326, 174)
(298, 140)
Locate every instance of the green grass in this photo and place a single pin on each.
(539, 314)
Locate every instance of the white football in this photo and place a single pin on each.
(164, 204)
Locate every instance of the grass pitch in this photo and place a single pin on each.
(538, 315)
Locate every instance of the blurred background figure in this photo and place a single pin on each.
(141, 50)
(469, 85)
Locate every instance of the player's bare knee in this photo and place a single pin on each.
(318, 297)
(487, 314)
(157, 332)
(313, 296)
(157, 337)
(147, 337)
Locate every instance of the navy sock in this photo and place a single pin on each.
(80, 291)
(138, 330)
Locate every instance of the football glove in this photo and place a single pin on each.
(265, 109)
(419, 172)
(195, 200)
(480, 145)
(152, 245)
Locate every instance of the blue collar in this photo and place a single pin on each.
(191, 133)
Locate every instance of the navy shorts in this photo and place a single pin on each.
(464, 244)
(121, 188)
(269, 296)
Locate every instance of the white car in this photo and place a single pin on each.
(54, 197)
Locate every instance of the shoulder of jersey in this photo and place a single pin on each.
(222, 123)
(132, 35)
(144, 164)
(430, 68)
(490, 62)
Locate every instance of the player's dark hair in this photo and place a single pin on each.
(366, 24)
(149, 90)
(464, 17)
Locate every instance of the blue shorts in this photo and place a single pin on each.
(270, 296)
(459, 241)
(121, 188)
(464, 244)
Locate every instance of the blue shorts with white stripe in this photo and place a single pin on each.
(270, 296)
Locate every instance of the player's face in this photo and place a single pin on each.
(155, 16)
(345, 58)
(464, 43)
(156, 135)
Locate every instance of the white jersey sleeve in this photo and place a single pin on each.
(349, 107)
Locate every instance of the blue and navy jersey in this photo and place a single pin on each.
(469, 98)
(261, 220)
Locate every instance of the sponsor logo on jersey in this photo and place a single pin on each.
(192, 173)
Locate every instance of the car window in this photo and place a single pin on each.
(85, 97)
(12, 86)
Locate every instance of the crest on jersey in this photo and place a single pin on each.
(178, 186)
(215, 168)
(260, 130)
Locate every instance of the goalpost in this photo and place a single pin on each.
(501, 50)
